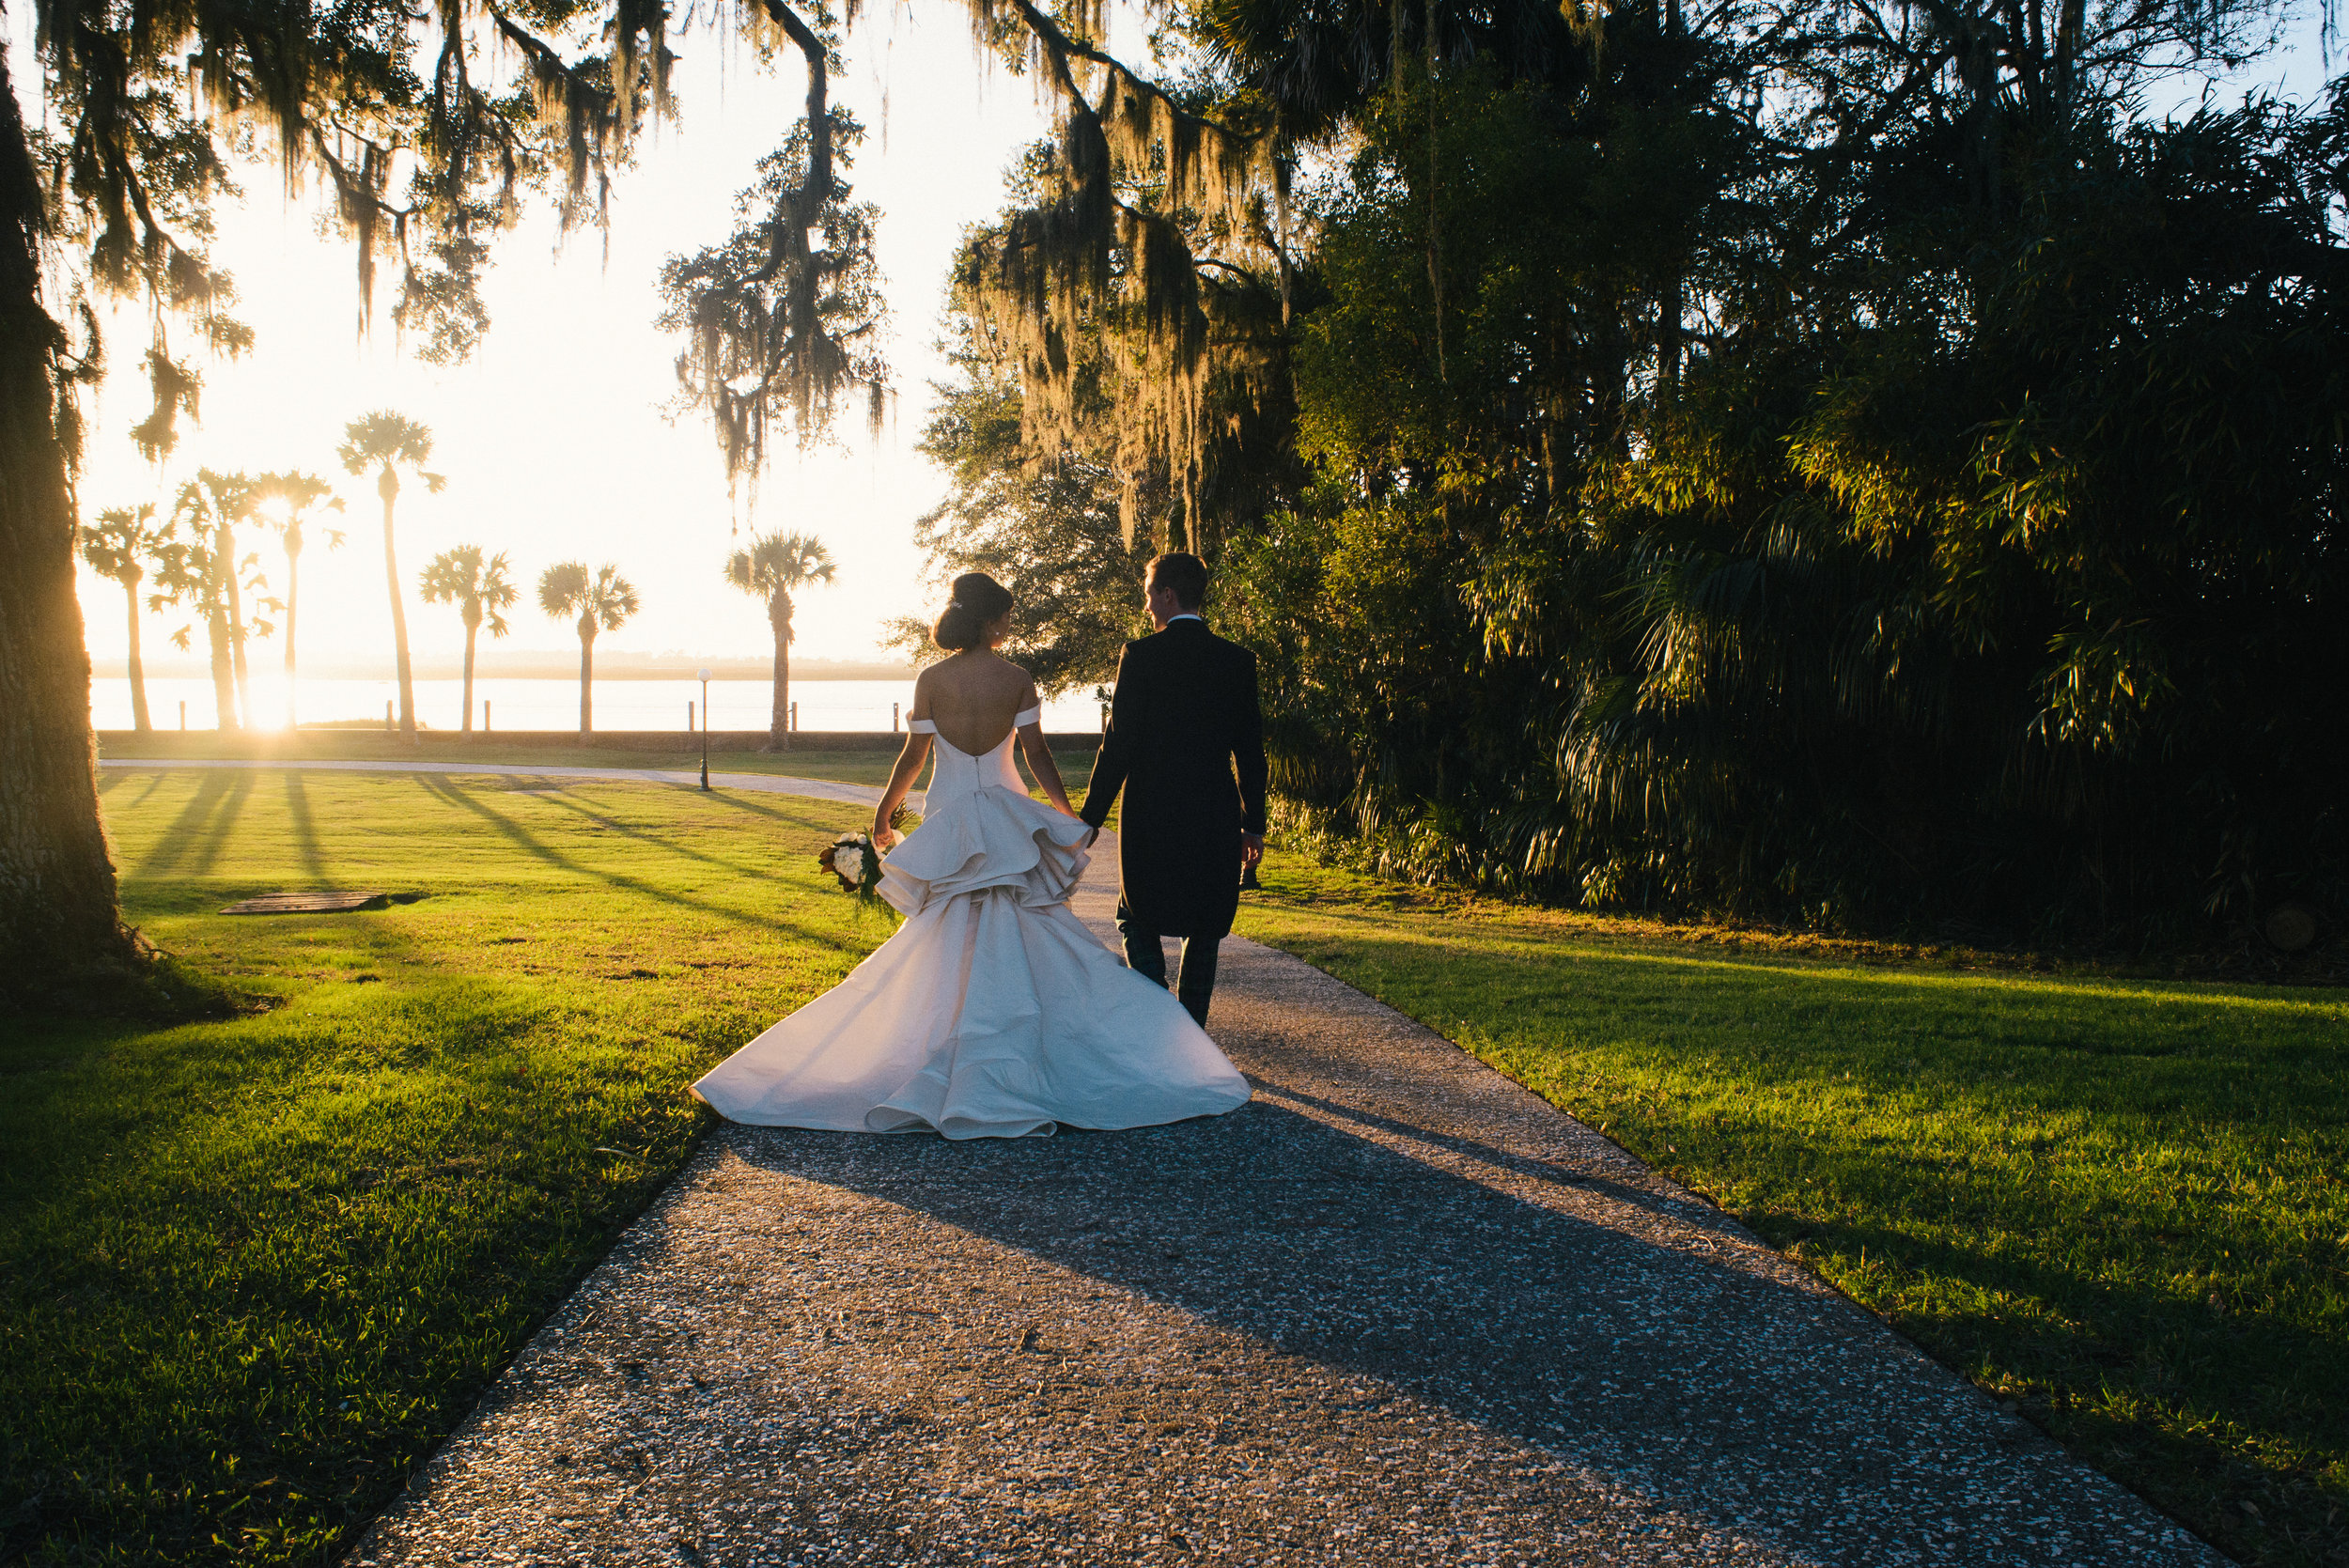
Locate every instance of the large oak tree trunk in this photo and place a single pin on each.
(139, 721)
(58, 915)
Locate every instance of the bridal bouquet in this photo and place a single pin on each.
(852, 858)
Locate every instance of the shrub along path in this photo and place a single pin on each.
(1398, 1309)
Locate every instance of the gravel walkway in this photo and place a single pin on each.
(1396, 1311)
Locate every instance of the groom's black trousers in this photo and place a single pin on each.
(1147, 957)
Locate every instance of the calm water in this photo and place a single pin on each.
(551, 704)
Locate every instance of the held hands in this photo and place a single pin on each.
(1251, 849)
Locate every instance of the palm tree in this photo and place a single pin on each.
(190, 571)
(215, 503)
(283, 498)
(384, 442)
(480, 589)
(117, 547)
(770, 569)
(602, 602)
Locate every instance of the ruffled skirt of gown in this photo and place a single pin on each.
(991, 1013)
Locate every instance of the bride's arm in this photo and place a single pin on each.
(909, 761)
(1041, 763)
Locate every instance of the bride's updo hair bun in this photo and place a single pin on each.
(979, 601)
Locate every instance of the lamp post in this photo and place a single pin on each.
(705, 680)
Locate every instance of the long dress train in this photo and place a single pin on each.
(992, 1012)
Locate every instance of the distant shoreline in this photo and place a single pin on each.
(543, 666)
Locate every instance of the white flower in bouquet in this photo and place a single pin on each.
(852, 858)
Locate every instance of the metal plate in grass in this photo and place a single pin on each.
(308, 903)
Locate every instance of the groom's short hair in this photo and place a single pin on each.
(1184, 575)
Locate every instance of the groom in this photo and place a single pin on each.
(1185, 743)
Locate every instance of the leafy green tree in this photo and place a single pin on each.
(603, 602)
(771, 569)
(387, 442)
(119, 547)
(1054, 529)
(284, 501)
(480, 589)
(1715, 506)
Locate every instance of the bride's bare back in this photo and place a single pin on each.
(973, 698)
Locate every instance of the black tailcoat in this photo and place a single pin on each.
(1186, 742)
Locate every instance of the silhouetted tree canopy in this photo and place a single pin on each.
(1821, 461)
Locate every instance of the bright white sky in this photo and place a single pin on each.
(553, 439)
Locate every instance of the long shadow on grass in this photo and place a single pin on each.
(304, 827)
(538, 850)
(777, 813)
(291, 1169)
(665, 844)
(109, 783)
(1769, 1412)
(192, 843)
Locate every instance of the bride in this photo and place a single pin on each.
(993, 1013)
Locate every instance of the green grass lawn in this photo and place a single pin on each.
(2120, 1204)
(251, 1271)
(863, 766)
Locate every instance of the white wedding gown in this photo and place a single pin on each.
(993, 1013)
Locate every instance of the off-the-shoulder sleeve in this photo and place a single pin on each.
(1027, 716)
(921, 726)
